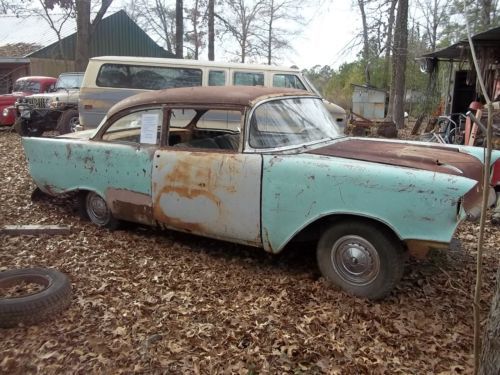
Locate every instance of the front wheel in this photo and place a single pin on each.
(362, 258)
(97, 210)
(68, 121)
(25, 129)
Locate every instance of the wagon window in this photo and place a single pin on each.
(287, 80)
(248, 79)
(138, 127)
(147, 77)
(216, 78)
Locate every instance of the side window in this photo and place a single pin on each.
(138, 127)
(216, 78)
(287, 80)
(214, 129)
(248, 79)
(50, 88)
(147, 77)
(220, 119)
(113, 75)
(181, 117)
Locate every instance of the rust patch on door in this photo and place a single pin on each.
(193, 180)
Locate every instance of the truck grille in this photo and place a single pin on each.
(38, 102)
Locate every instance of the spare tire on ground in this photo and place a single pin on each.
(52, 295)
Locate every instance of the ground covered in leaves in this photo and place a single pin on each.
(148, 301)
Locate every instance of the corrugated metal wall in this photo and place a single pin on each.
(51, 67)
(368, 103)
(116, 35)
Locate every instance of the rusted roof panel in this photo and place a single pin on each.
(222, 95)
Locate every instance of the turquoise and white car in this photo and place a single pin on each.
(265, 167)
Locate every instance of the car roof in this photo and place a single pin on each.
(161, 61)
(235, 96)
(36, 78)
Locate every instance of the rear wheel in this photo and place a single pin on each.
(97, 210)
(362, 258)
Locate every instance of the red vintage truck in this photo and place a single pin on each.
(23, 87)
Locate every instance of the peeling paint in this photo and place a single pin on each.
(210, 193)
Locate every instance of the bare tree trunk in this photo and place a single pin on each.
(388, 43)
(490, 356)
(179, 29)
(270, 34)
(399, 64)
(82, 52)
(195, 31)
(211, 30)
(485, 13)
(366, 44)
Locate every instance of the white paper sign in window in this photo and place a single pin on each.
(149, 128)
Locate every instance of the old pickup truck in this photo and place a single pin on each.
(24, 86)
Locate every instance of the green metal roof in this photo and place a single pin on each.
(115, 35)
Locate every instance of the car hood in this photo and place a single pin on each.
(62, 95)
(8, 99)
(417, 155)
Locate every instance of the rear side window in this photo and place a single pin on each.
(138, 127)
(216, 78)
(147, 77)
(248, 79)
(287, 80)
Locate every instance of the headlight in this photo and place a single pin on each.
(5, 112)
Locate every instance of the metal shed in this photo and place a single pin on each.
(116, 35)
(369, 102)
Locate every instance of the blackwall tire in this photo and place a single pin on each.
(36, 307)
(24, 130)
(362, 258)
(68, 121)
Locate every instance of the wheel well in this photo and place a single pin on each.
(313, 230)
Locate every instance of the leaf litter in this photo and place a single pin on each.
(150, 301)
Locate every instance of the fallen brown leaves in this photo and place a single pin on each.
(147, 301)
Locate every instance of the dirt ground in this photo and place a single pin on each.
(148, 301)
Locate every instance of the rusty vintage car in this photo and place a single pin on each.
(264, 167)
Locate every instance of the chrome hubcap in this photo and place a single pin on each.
(355, 259)
(97, 209)
(73, 123)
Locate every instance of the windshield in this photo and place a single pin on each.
(291, 122)
(312, 87)
(72, 81)
(27, 86)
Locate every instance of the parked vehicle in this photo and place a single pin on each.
(22, 87)
(110, 79)
(264, 167)
(56, 110)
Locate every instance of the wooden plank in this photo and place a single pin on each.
(34, 230)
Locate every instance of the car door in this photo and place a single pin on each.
(214, 191)
(126, 150)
